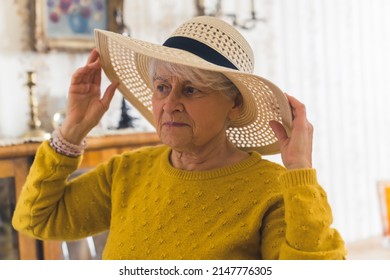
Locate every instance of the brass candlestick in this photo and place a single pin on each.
(34, 122)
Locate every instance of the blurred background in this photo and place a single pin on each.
(332, 55)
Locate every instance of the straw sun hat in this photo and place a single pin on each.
(206, 43)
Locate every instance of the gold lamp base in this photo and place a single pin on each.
(35, 131)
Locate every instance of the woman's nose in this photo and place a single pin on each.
(173, 102)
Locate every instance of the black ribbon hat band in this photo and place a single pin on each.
(199, 49)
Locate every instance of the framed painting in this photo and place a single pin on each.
(69, 24)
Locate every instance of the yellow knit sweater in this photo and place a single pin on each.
(254, 209)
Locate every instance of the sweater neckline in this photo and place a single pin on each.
(169, 170)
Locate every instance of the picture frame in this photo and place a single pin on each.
(68, 25)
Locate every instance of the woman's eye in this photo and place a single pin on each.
(161, 88)
(190, 90)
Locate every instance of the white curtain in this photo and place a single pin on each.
(334, 56)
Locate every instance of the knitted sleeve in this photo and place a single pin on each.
(299, 227)
(51, 207)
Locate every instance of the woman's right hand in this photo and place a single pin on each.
(85, 105)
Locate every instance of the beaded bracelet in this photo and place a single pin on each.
(64, 147)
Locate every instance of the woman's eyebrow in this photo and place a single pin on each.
(155, 78)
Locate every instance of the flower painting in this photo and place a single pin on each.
(69, 24)
(75, 17)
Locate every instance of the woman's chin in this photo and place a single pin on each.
(176, 139)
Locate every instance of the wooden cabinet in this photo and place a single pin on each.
(15, 162)
(15, 170)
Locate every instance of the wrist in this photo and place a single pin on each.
(64, 147)
(299, 165)
(72, 134)
(296, 167)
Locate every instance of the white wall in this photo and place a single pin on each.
(332, 55)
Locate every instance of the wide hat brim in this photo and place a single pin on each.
(127, 60)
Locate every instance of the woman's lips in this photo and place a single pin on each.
(174, 124)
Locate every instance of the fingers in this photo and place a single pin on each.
(94, 54)
(83, 88)
(97, 77)
(279, 130)
(298, 109)
(109, 94)
(90, 73)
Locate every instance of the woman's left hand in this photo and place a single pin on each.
(296, 149)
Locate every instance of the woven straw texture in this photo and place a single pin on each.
(127, 60)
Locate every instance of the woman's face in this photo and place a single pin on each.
(187, 115)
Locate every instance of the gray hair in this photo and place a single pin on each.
(214, 80)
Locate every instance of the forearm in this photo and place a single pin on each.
(308, 218)
(49, 206)
(298, 225)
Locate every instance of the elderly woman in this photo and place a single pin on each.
(206, 192)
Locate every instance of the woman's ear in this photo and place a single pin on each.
(235, 111)
(238, 100)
